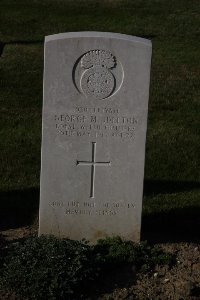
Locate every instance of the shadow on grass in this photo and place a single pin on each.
(2, 45)
(177, 225)
(21, 42)
(155, 187)
(18, 208)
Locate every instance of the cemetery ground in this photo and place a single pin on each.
(171, 206)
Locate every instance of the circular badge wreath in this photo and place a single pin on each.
(97, 74)
(98, 81)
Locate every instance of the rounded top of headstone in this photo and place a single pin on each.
(97, 34)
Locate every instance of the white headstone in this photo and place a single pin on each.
(96, 88)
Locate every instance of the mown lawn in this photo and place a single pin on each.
(172, 177)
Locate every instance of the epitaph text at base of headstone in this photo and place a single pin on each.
(96, 88)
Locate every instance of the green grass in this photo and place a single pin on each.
(173, 138)
(21, 108)
(32, 20)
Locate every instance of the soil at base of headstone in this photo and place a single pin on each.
(179, 282)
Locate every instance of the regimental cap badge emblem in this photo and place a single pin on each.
(98, 71)
(98, 81)
(97, 58)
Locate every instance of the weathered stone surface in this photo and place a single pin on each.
(96, 88)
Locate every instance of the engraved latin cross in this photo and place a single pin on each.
(93, 165)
